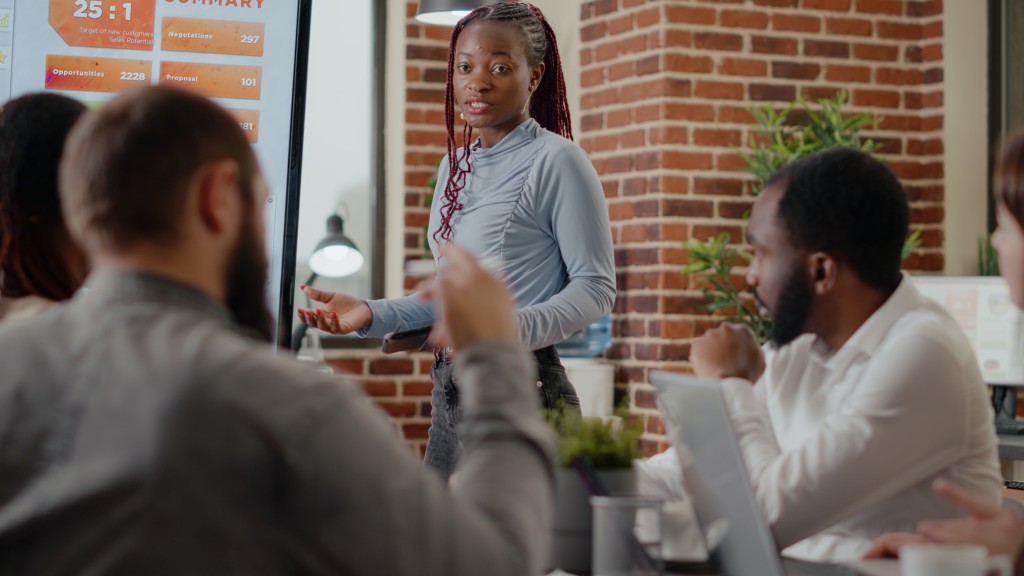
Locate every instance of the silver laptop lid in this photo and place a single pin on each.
(715, 475)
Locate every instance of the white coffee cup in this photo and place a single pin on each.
(681, 538)
(951, 560)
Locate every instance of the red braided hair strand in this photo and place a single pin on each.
(549, 105)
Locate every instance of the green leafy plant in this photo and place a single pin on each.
(715, 259)
(988, 262)
(777, 141)
(608, 443)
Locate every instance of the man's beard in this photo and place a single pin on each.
(247, 279)
(792, 310)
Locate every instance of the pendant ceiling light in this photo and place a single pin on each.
(447, 12)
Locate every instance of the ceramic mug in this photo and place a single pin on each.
(951, 560)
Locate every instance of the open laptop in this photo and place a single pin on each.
(739, 540)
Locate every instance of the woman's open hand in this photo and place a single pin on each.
(340, 313)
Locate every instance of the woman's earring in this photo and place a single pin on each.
(462, 116)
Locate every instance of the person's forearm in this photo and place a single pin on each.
(394, 314)
(582, 302)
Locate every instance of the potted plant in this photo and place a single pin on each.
(988, 260)
(778, 140)
(609, 445)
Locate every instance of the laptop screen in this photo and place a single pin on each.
(715, 475)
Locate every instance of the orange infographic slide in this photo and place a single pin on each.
(126, 24)
(249, 120)
(214, 80)
(95, 74)
(212, 36)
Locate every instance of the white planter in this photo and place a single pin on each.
(595, 384)
(571, 538)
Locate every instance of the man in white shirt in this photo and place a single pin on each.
(870, 391)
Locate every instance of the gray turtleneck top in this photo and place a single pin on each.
(534, 205)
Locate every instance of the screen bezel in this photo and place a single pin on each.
(286, 299)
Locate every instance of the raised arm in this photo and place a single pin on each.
(394, 314)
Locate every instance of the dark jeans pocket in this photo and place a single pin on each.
(556, 392)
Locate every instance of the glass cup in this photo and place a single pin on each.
(627, 536)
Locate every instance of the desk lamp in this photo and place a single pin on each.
(335, 256)
(447, 12)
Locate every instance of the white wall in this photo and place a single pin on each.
(337, 167)
(966, 137)
(564, 18)
(394, 146)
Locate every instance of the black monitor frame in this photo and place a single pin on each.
(286, 302)
(376, 257)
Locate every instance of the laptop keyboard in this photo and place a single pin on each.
(804, 568)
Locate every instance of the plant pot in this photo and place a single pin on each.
(571, 538)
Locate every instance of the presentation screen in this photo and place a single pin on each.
(248, 55)
(981, 306)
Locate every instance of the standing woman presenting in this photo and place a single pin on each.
(521, 194)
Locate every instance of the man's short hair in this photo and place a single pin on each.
(849, 205)
(127, 165)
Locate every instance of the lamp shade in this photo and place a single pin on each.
(336, 255)
(447, 12)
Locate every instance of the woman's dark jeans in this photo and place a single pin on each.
(443, 445)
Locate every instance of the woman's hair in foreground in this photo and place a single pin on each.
(1008, 179)
(34, 242)
(549, 105)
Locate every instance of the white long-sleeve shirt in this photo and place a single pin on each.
(843, 446)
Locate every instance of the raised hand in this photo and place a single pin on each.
(340, 313)
(988, 524)
(475, 305)
(727, 351)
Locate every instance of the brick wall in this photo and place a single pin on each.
(666, 89)
(399, 384)
(666, 85)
